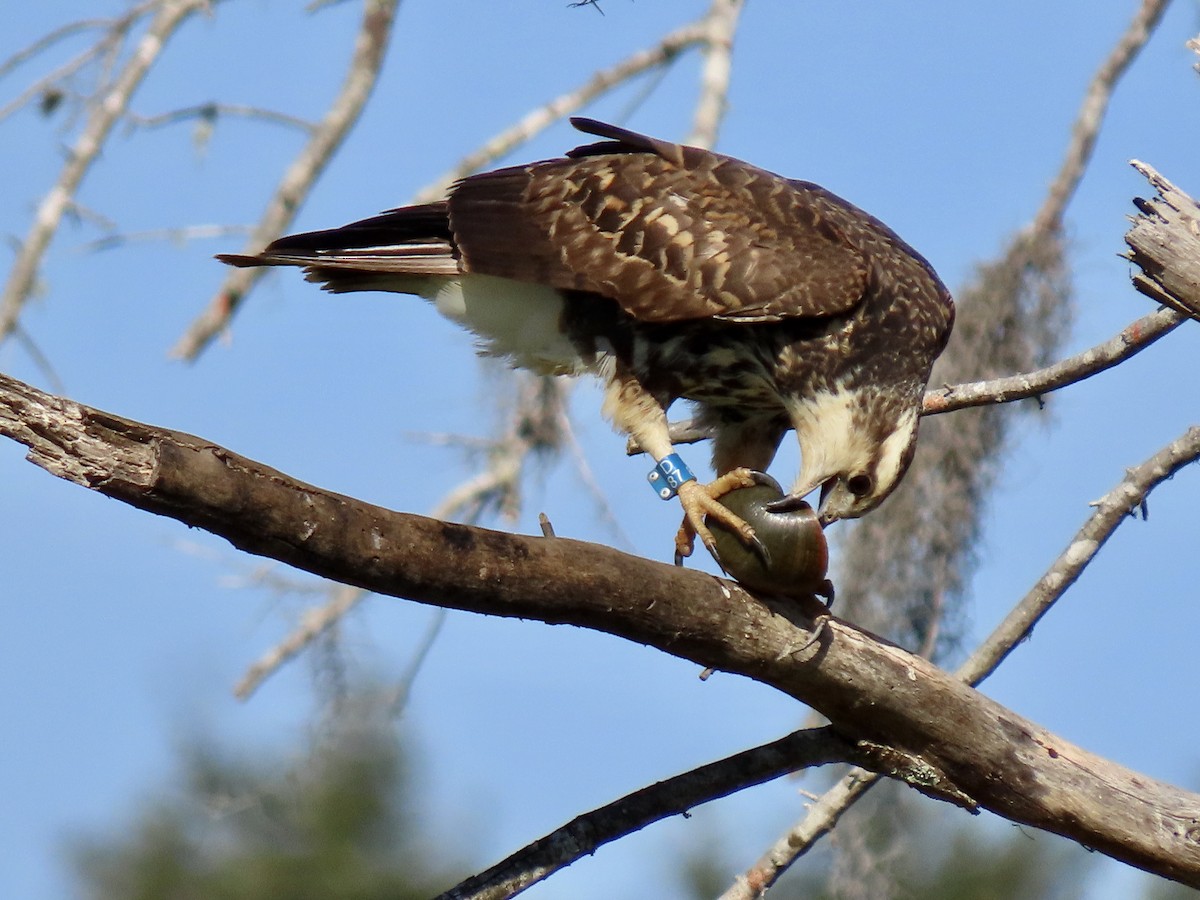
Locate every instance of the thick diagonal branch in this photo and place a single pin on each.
(872, 692)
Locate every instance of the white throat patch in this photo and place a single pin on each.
(829, 442)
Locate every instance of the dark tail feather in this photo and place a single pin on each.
(410, 240)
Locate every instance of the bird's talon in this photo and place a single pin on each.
(761, 549)
(756, 477)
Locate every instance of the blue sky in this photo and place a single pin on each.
(124, 632)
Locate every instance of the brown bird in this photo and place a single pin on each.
(674, 272)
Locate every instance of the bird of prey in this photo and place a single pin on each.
(672, 272)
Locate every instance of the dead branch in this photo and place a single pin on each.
(104, 112)
(532, 123)
(822, 816)
(52, 37)
(1111, 510)
(672, 797)
(314, 623)
(1164, 243)
(1091, 114)
(177, 235)
(115, 30)
(367, 60)
(721, 25)
(922, 724)
(210, 112)
(1131, 340)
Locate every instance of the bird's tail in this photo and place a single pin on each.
(384, 252)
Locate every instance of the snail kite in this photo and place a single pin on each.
(670, 271)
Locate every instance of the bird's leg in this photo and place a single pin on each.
(700, 500)
(637, 412)
(741, 453)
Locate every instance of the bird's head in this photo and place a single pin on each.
(855, 454)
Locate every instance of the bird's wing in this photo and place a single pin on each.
(670, 232)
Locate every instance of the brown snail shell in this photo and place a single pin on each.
(799, 555)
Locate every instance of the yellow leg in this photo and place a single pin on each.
(699, 500)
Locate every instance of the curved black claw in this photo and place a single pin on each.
(825, 589)
(761, 549)
(712, 551)
(763, 478)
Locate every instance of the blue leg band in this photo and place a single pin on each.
(668, 475)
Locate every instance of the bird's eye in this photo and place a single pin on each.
(859, 485)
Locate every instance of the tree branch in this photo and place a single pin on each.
(365, 64)
(314, 623)
(1165, 243)
(922, 722)
(1111, 510)
(537, 120)
(104, 113)
(211, 111)
(721, 24)
(672, 797)
(1131, 340)
(1091, 114)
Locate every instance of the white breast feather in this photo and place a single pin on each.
(514, 319)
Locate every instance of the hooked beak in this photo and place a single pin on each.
(793, 502)
(826, 489)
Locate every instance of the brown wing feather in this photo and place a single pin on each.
(670, 232)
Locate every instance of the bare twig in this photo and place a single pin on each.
(661, 54)
(178, 235)
(53, 37)
(369, 50)
(40, 359)
(210, 112)
(1133, 339)
(533, 429)
(721, 25)
(314, 623)
(404, 686)
(104, 113)
(115, 31)
(1091, 114)
(822, 816)
(1111, 510)
(50, 83)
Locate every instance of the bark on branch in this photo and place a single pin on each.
(936, 732)
(1164, 243)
